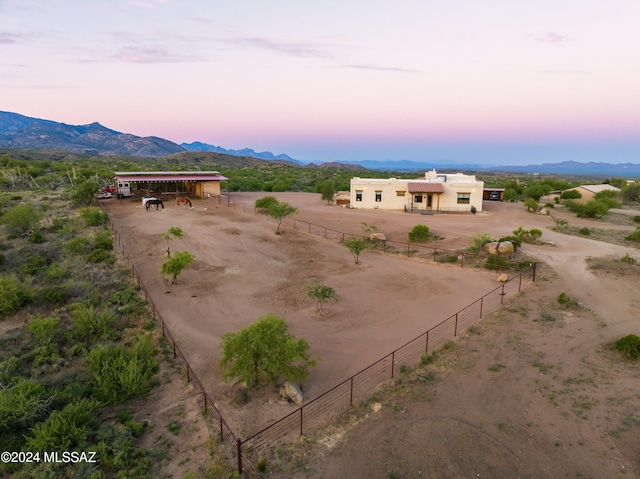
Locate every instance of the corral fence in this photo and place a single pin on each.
(420, 250)
(225, 434)
(335, 401)
(315, 412)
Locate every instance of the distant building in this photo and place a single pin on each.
(436, 192)
(588, 192)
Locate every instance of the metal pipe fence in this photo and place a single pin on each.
(336, 400)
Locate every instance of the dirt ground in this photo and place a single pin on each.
(534, 392)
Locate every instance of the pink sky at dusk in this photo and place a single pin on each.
(483, 82)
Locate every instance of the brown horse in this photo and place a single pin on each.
(183, 199)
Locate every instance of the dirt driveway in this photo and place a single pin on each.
(508, 405)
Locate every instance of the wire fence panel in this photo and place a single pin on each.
(411, 353)
(440, 334)
(333, 402)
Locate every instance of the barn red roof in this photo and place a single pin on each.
(425, 187)
(165, 178)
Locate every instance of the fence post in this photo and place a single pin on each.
(426, 348)
(520, 283)
(300, 421)
(239, 453)
(393, 362)
(455, 329)
(462, 256)
(533, 277)
(502, 295)
(481, 304)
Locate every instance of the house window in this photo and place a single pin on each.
(418, 198)
(400, 193)
(358, 195)
(378, 196)
(464, 198)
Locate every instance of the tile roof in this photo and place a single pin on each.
(425, 187)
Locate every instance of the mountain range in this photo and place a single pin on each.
(23, 132)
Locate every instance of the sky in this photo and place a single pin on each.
(492, 82)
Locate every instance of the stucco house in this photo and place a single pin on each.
(588, 192)
(436, 192)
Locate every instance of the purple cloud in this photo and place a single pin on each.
(294, 49)
(135, 54)
(552, 37)
(8, 38)
(381, 68)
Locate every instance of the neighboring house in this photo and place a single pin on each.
(436, 192)
(588, 192)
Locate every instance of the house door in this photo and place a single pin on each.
(429, 201)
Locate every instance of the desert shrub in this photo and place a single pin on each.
(479, 241)
(528, 236)
(63, 429)
(44, 330)
(116, 448)
(94, 216)
(79, 245)
(56, 294)
(22, 405)
(549, 205)
(120, 373)
(592, 209)
(531, 205)
(56, 273)
(561, 224)
(13, 295)
(636, 219)
(37, 237)
(103, 241)
(629, 346)
(21, 219)
(83, 193)
(356, 246)
(567, 301)
(100, 256)
(34, 263)
(419, 234)
(584, 231)
(628, 259)
(635, 236)
(91, 323)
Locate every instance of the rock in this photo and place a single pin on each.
(503, 278)
(544, 211)
(504, 248)
(377, 237)
(240, 397)
(292, 392)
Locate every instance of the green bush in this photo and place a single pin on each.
(120, 373)
(629, 346)
(92, 324)
(103, 241)
(22, 405)
(496, 262)
(63, 429)
(79, 245)
(94, 216)
(419, 234)
(628, 259)
(21, 219)
(100, 256)
(479, 241)
(37, 237)
(13, 295)
(57, 294)
(636, 219)
(635, 236)
(584, 231)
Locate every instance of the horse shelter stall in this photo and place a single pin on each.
(200, 184)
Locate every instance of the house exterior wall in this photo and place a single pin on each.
(393, 193)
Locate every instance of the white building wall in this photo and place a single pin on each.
(390, 199)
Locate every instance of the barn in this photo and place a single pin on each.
(201, 184)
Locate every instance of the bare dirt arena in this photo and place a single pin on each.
(524, 396)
